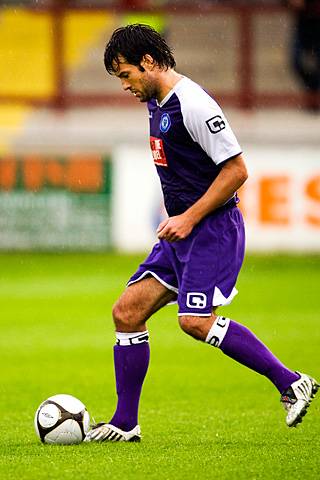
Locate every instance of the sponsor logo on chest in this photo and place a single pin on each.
(158, 154)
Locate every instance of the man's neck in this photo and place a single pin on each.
(168, 79)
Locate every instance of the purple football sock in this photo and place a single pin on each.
(244, 347)
(131, 365)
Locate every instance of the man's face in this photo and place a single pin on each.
(142, 84)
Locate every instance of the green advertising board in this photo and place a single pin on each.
(55, 203)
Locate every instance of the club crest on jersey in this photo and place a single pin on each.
(165, 122)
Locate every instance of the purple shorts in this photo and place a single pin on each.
(203, 268)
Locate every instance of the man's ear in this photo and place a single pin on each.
(147, 62)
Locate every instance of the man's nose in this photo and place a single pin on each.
(125, 84)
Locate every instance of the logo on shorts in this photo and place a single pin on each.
(216, 124)
(196, 300)
(165, 122)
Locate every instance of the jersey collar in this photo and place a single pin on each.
(169, 95)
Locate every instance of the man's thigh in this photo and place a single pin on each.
(139, 301)
(160, 264)
(211, 263)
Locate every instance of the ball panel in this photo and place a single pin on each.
(68, 402)
(48, 415)
(67, 433)
(86, 422)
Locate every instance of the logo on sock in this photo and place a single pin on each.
(218, 331)
(214, 341)
(133, 338)
(141, 338)
(221, 322)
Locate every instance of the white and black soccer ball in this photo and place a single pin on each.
(62, 419)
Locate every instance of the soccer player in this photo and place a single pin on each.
(201, 244)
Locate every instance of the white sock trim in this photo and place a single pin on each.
(132, 338)
(218, 331)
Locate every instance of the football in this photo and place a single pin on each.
(62, 419)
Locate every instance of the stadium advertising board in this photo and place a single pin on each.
(280, 200)
(55, 202)
(65, 202)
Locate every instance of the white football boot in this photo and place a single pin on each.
(105, 432)
(297, 398)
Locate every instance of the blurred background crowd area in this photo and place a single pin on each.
(247, 52)
(75, 167)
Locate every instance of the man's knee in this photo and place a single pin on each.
(197, 327)
(120, 316)
(125, 317)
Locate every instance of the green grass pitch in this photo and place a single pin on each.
(202, 415)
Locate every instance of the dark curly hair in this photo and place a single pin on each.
(134, 41)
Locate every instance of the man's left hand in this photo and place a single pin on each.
(175, 228)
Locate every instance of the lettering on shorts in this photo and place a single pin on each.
(196, 300)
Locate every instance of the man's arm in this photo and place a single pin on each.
(232, 175)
